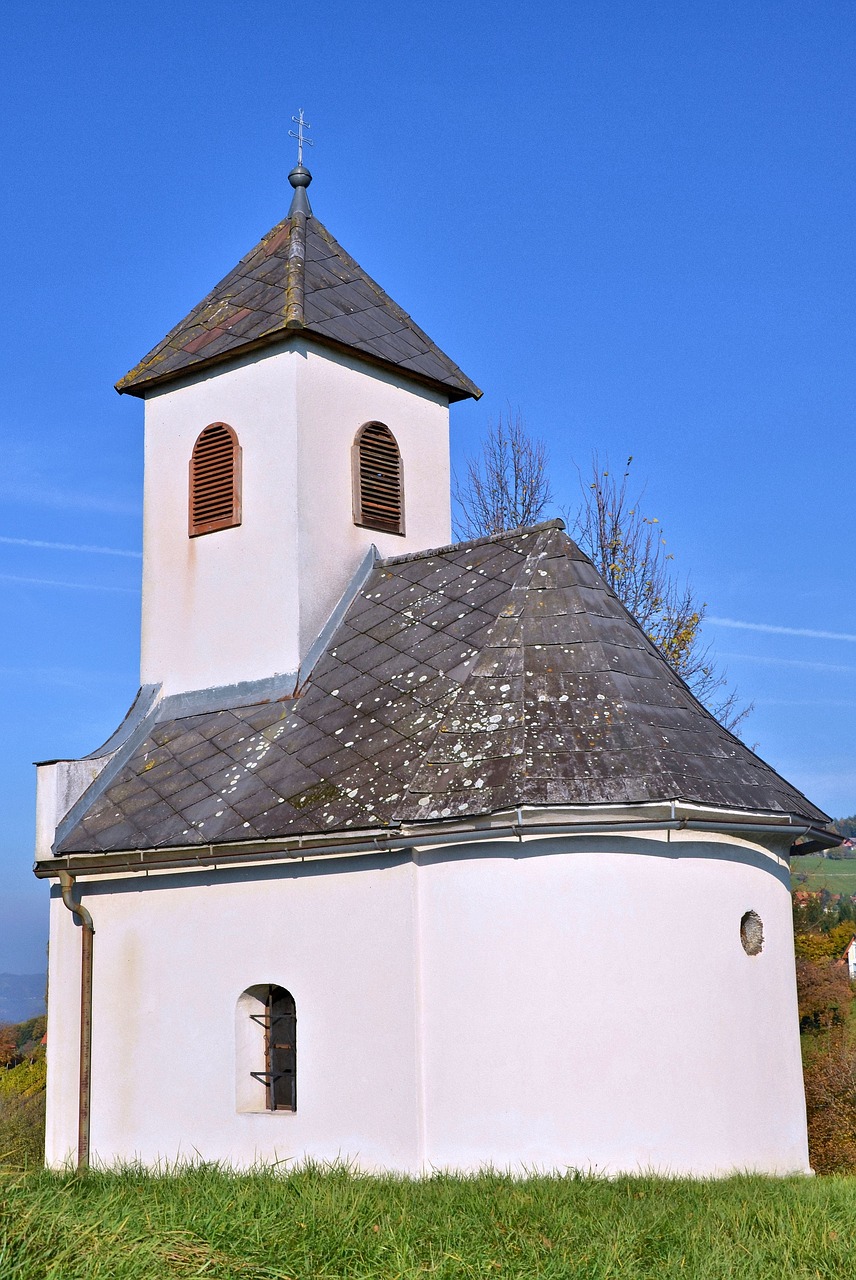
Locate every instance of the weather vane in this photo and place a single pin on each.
(301, 125)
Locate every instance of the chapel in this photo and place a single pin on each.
(411, 853)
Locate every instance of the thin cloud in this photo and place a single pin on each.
(71, 678)
(69, 546)
(71, 586)
(805, 702)
(26, 493)
(782, 631)
(766, 660)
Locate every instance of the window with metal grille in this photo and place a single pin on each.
(378, 483)
(215, 481)
(274, 1011)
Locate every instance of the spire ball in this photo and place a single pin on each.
(300, 179)
(299, 176)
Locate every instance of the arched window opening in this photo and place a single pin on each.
(266, 1033)
(378, 484)
(215, 481)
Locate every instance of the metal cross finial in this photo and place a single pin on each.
(301, 125)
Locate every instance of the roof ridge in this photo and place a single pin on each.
(295, 279)
(523, 530)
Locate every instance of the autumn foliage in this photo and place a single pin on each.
(825, 995)
(830, 1095)
(8, 1045)
(819, 946)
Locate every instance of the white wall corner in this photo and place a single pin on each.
(59, 785)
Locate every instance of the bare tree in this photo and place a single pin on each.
(507, 485)
(629, 551)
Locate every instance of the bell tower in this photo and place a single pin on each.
(295, 419)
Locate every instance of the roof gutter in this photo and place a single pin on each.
(302, 847)
(84, 1091)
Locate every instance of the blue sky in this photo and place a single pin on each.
(632, 221)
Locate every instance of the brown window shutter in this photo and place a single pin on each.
(377, 480)
(215, 481)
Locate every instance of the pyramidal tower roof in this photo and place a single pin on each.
(298, 281)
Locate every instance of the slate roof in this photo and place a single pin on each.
(460, 682)
(341, 306)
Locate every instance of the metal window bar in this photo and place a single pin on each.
(279, 1022)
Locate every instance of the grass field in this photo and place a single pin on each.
(316, 1225)
(835, 874)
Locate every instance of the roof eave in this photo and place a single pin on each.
(139, 385)
(399, 837)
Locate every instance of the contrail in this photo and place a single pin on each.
(767, 660)
(73, 586)
(69, 546)
(782, 631)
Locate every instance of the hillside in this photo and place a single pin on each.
(816, 872)
(22, 996)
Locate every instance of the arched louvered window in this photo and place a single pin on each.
(215, 480)
(378, 482)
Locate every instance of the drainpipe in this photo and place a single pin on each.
(85, 1085)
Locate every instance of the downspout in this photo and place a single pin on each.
(85, 1084)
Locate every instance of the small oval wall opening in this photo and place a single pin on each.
(752, 933)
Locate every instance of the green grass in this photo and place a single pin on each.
(315, 1224)
(836, 874)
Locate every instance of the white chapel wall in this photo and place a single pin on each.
(173, 955)
(63, 1033)
(219, 608)
(594, 1008)
(586, 1004)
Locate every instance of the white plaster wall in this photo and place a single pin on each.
(59, 785)
(245, 603)
(595, 1009)
(581, 1003)
(172, 957)
(336, 396)
(63, 1033)
(220, 608)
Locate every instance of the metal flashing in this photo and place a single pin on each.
(228, 697)
(333, 623)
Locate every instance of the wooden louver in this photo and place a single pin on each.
(215, 480)
(378, 485)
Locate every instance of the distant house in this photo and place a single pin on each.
(848, 957)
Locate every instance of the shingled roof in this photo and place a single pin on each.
(298, 280)
(460, 682)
